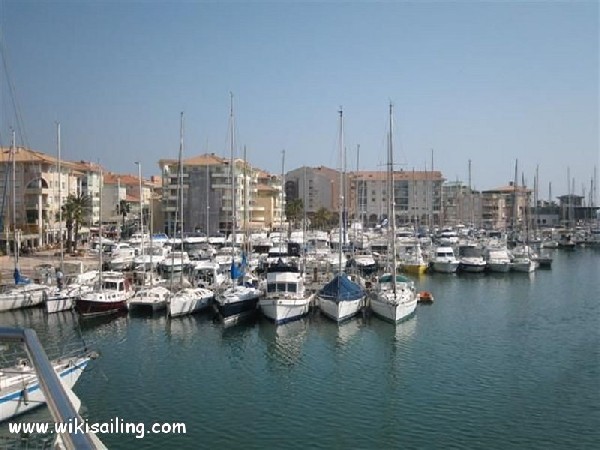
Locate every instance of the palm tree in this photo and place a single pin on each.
(321, 218)
(73, 215)
(294, 210)
(123, 209)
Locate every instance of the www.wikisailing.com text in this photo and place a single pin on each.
(113, 426)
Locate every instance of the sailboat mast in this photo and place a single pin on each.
(341, 196)
(14, 196)
(100, 228)
(58, 170)
(282, 199)
(392, 217)
(232, 170)
(139, 164)
(180, 182)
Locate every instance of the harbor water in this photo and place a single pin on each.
(496, 362)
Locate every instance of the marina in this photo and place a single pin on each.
(496, 362)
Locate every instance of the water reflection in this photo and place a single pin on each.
(284, 343)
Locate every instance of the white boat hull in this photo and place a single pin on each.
(339, 311)
(64, 299)
(444, 267)
(22, 297)
(182, 304)
(284, 310)
(14, 401)
(394, 310)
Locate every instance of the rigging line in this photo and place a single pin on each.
(13, 94)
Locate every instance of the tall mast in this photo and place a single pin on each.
(180, 182)
(232, 171)
(281, 207)
(139, 164)
(392, 217)
(341, 196)
(207, 200)
(14, 196)
(58, 170)
(101, 184)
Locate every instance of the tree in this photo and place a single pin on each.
(321, 218)
(73, 212)
(294, 210)
(123, 209)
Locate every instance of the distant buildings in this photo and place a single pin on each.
(40, 185)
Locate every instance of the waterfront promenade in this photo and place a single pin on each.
(28, 263)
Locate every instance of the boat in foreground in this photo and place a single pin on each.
(20, 390)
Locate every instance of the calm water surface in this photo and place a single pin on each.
(508, 361)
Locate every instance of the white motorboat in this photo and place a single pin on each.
(286, 298)
(444, 260)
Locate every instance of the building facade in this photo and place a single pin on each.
(33, 189)
(210, 202)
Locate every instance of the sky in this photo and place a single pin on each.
(480, 81)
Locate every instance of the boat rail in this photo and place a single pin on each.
(59, 403)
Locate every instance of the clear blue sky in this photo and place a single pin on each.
(485, 81)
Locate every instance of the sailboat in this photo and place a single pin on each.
(24, 293)
(112, 291)
(394, 297)
(286, 298)
(237, 301)
(341, 298)
(187, 299)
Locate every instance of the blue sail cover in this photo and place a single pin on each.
(341, 288)
(238, 270)
(20, 279)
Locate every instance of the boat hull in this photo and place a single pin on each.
(14, 401)
(21, 298)
(340, 311)
(233, 306)
(498, 267)
(393, 311)
(444, 267)
(90, 308)
(188, 306)
(284, 310)
(415, 269)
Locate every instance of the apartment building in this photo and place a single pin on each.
(33, 188)
(506, 207)
(209, 198)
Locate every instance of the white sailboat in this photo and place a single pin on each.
(187, 299)
(341, 298)
(237, 301)
(395, 297)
